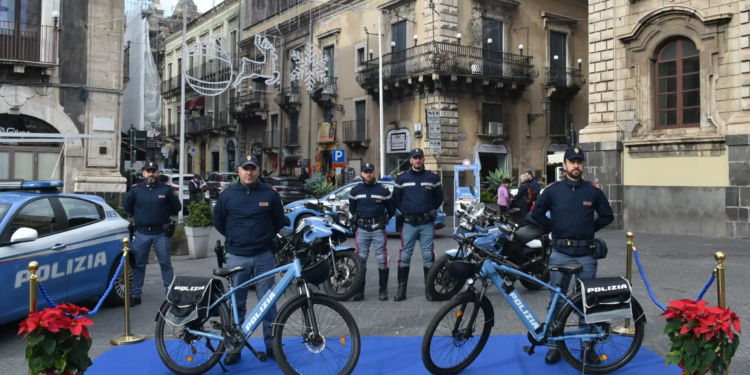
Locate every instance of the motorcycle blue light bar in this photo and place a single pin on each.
(386, 178)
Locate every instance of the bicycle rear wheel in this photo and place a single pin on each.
(613, 351)
(335, 350)
(186, 354)
(450, 344)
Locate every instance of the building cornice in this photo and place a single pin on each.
(205, 17)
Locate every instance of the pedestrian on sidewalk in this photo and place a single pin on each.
(151, 203)
(242, 216)
(503, 196)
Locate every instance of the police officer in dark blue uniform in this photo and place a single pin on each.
(371, 207)
(418, 194)
(572, 203)
(249, 214)
(151, 203)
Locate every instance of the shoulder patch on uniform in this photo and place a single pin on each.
(548, 185)
(402, 172)
(594, 185)
(433, 172)
(383, 185)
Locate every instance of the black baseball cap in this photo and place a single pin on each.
(151, 166)
(368, 167)
(249, 159)
(416, 152)
(574, 153)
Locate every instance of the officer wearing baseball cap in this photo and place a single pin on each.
(418, 195)
(151, 204)
(572, 203)
(249, 214)
(371, 207)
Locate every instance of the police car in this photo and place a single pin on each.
(76, 239)
(297, 211)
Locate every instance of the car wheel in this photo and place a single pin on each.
(117, 296)
(299, 219)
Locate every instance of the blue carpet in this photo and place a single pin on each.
(382, 355)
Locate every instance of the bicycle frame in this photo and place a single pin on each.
(293, 271)
(525, 314)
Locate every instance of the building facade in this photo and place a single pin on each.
(211, 142)
(489, 68)
(668, 133)
(61, 71)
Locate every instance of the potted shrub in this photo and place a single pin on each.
(179, 245)
(318, 186)
(698, 333)
(199, 223)
(58, 340)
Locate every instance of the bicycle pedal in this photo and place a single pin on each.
(262, 357)
(529, 349)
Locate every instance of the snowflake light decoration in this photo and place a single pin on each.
(310, 67)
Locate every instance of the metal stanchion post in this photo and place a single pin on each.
(33, 282)
(722, 293)
(627, 330)
(127, 338)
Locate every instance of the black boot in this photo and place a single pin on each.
(553, 356)
(383, 276)
(361, 294)
(403, 277)
(426, 295)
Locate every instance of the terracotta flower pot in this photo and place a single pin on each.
(695, 373)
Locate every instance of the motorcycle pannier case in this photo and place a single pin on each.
(605, 299)
(190, 297)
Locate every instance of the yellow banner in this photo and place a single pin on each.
(327, 132)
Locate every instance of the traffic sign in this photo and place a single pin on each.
(193, 151)
(339, 158)
(433, 123)
(467, 163)
(436, 146)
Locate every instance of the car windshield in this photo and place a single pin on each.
(344, 193)
(185, 180)
(4, 207)
(288, 183)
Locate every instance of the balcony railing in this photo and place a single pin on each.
(291, 136)
(356, 130)
(270, 140)
(563, 77)
(288, 97)
(249, 104)
(326, 88)
(201, 124)
(170, 84)
(25, 42)
(495, 128)
(174, 130)
(448, 58)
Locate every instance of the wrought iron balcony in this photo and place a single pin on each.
(291, 137)
(437, 65)
(325, 92)
(355, 133)
(289, 99)
(173, 130)
(271, 142)
(563, 82)
(23, 43)
(204, 124)
(170, 87)
(253, 104)
(494, 129)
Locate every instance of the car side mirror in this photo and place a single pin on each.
(24, 235)
(331, 198)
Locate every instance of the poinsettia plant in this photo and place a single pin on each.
(59, 341)
(698, 333)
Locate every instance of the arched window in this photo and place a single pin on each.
(678, 85)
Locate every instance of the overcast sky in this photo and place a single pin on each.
(203, 5)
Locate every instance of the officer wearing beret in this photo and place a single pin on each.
(371, 207)
(151, 203)
(418, 194)
(571, 203)
(249, 214)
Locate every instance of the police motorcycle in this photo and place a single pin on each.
(324, 236)
(529, 246)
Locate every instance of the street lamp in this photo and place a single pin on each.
(520, 47)
(545, 105)
(531, 117)
(55, 16)
(489, 40)
(458, 36)
(393, 46)
(371, 54)
(579, 64)
(416, 38)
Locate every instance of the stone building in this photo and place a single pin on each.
(61, 71)
(668, 133)
(489, 67)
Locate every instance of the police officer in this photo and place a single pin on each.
(418, 194)
(151, 203)
(242, 214)
(571, 203)
(371, 207)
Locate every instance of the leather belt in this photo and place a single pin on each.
(572, 243)
(371, 221)
(151, 229)
(417, 218)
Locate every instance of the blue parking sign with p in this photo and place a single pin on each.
(338, 156)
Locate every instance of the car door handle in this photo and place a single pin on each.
(59, 246)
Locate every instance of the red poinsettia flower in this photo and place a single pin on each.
(78, 326)
(73, 309)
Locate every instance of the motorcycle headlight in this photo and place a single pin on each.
(329, 217)
(289, 210)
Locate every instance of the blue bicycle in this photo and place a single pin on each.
(598, 329)
(312, 333)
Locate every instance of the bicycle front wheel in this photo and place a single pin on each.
(451, 342)
(299, 350)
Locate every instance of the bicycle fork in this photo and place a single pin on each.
(477, 305)
(308, 314)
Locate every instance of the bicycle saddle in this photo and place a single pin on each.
(227, 272)
(568, 268)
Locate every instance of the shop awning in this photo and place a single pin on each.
(193, 104)
(556, 158)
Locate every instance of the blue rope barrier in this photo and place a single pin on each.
(101, 301)
(705, 288)
(648, 287)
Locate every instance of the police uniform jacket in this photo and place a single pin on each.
(371, 201)
(249, 218)
(572, 205)
(417, 193)
(151, 206)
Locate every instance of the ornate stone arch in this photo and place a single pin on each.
(642, 45)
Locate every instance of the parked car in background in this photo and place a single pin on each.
(218, 181)
(290, 189)
(173, 180)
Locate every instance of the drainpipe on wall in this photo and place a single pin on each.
(280, 157)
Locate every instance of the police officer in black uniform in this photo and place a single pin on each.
(572, 203)
(151, 203)
(371, 207)
(418, 194)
